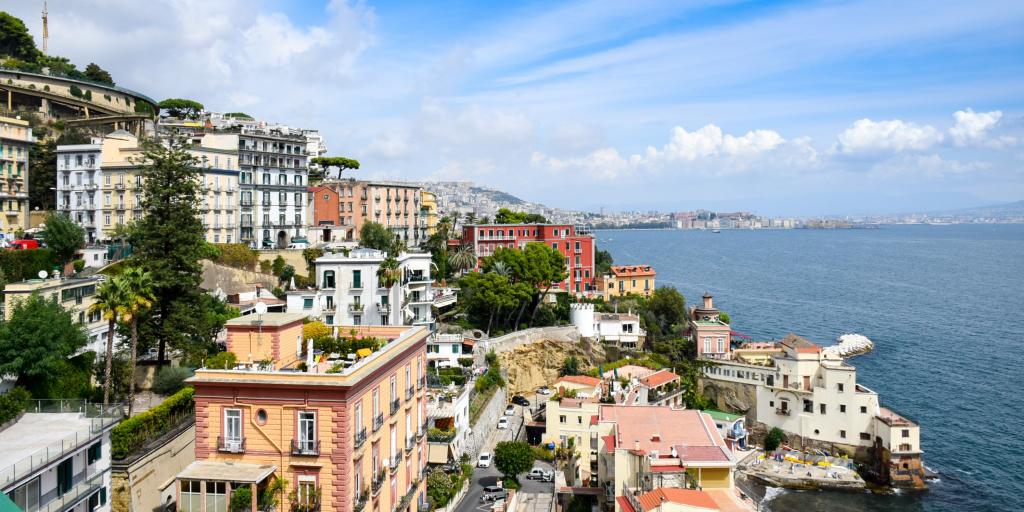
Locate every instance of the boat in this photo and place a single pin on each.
(716, 230)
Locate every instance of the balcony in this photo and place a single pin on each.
(782, 412)
(384, 309)
(410, 444)
(230, 445)
(395, 461)
(421, 383)
(378, 422)
(409, 392)
(378, 482)
(355, 308)
(421, 432)
(360, 500)
(306, 447)
(330, 307)
(119, 186)
(396, 404)
(360, 438)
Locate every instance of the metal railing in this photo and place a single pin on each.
(305, 447)
(360, 500)
(395, 461)
(80, 490)
(360, 438)
(100, 418)
(409, 392)
(378, 422)
(230, 445)
(395, 405)
(378, 482)
(410, 443)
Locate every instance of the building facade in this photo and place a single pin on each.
(349, 291)
(626, 280)
(574, 242)
(15, 140)
(345, 437)
(620, 329)
(74, 295)
(74, 476)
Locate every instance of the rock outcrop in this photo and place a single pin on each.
(532, 365)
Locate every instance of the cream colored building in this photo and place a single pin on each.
(428, 210)
(74, 295)
(15, 141)
(99, 186)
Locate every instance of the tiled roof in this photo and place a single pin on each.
(688, 497)
(633, 270)
(650, 428)
(799, 344)
(585, 380)
(659, 378)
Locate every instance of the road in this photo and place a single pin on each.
(489, 476)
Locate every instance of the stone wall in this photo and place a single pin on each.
(518, 338)
(292, 257)
(145, 481)
(731, 396)
(486, 423)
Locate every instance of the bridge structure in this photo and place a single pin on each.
(97, 106)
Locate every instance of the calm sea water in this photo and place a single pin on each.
(943, 304)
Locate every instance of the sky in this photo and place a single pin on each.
(781, 108)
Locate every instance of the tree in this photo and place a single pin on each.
(42, 155)
(375, 236)
(169, 241)
(238, 256)
(668, 307)
(537, 264)
(287, 273)
(36, 342)
(603, 262)
(110, 300)
(265, 266)
(277, 266)
(97, 74)
(181, 108)
(513, 458)
(310, 254)
(15, 40)
(63, 237)
(463, 259)
(389, 273)
(321, 164)
(507, 216)
(137, 286)
(774, 438)
(570, 366)
(315, 330)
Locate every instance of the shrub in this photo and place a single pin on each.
(79, 265)
(773, 439)
(75, 91)
(13, 403)
(238, 256)
(241, 500)
(170, 379)
(222, 361)
(541, 453)
(46, 88)
(88, 95)
(466, 362)
(134, 432)
(22, 265)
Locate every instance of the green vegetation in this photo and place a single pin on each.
(222, 361)
(12, 403)
(603, 262)
(447, 376)
(321, 164)
(437, 244)
(36, 347)
(570, 366)
(544, 454)
(18, 51)
(773, 439)
(64, 237)
(506, 216)
(723, 316)
(652, 361)
(375, 236)
(238, 115)
(134, 432)
(239, 256)
(171, 379)
(241, 500)
(181, 108)
(43, 155)
(21, 265)
(15, 40)
(442, 487)
(109, 298)
(485, 387)
(137, 287)
(513, 458)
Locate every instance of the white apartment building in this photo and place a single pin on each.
(620, 329)
(56, 457)
(444, 351)
(349, 291)
(448, 411)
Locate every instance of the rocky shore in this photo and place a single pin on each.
(849, 345)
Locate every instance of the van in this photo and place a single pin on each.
(24, 244)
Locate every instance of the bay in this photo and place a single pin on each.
(943, 305)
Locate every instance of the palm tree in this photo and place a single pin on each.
(109, 301)
(137, 285)
(388, 274)
(501, 268)
(464, 259)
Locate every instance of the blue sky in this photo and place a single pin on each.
(793, 108)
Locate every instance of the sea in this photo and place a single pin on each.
(944, 305)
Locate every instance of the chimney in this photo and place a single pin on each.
(708, 303)
(636, 444)
(309, 355)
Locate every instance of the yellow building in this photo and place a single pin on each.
(428, 210)
(15, 141)
(74, 295)
(99, 186)
(345, 436)
(628, 279)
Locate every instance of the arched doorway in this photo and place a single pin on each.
(282, 239)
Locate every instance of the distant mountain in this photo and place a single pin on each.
(497, 196)
(1015, 209)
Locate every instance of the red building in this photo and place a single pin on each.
(575, 243)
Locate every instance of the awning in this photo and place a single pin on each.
(6, 505)
(364, 352)
(226, 471)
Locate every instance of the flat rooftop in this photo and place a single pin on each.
(35, 432)
(659, 428)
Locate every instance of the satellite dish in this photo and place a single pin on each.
(42, 274)
(261, 308)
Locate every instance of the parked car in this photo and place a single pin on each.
(521, 400)
(298, 245)
(498, 487)
(502, 423)
(484, 461)
(544, 390)
(510, 410)
(496, 496)
(544, 475)
(24, 244)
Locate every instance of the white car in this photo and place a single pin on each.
(503, 423)
(510, 410)
(484, 461)
(544, 390)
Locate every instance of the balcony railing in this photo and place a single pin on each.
(378, 422)
(230, 445)
(409, 392)
(421, 383)
(360, 500)
(360, 437)
(395, 405)
(783, 412)
(378, 482)
(410, 444)
(355, 308)
(384, 309)
(395, 461)
(305, 447)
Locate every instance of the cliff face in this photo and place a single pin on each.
(536, 364)
(731, 397)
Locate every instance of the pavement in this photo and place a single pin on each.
(537, 493)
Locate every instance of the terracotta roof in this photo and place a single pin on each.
(609, 443)
(624, 503)
(593, 420)
(585, 380)
(688, 497)
(701, 453)
(633, 270)
(648, 428)
(659, 378)
(799, 344)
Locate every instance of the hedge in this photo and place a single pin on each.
(136, 431)
(12, 403)
(22, 265)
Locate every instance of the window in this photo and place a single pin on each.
(307, 431)
(906, 433)
(27, 496)
(707, 345)
(842, 408)
(863, 409)
(216, 497)
(98, 499)
(721, 345)
(232, 427)
(95, 453)
(328, 281)
(561, 418)
(821, 408)
(842, 434)
(307, 303)
(864, 436)
(905, 447)
(261, 417)
(190, 496)
(839, 387)
(357, 279)
(579, 419)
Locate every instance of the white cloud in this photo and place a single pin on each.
(602, 164)
(709, 141)
(975, 128)
(867, 136)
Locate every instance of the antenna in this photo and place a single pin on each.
(46, 27)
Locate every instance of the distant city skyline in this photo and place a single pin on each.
(780, 108)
